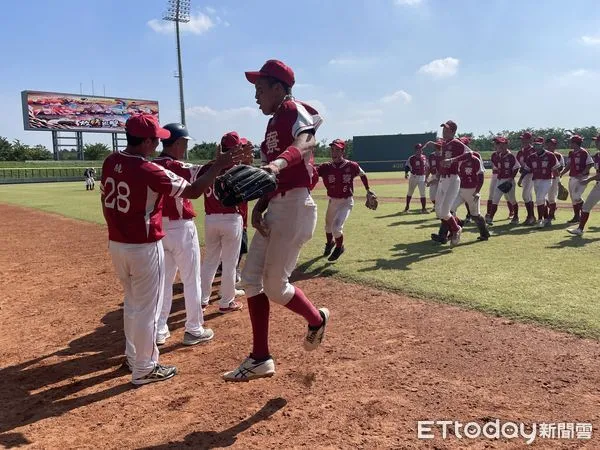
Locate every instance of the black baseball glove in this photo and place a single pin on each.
(244, 183)
(505, 186)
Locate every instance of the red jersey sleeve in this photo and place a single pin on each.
(164, 181)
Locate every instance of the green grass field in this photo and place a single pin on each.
(523, 273)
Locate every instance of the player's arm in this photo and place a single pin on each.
(206, 180)
(407, 168)
(257, 220)
(524, 171)
(464, 155)
(363, 177)
(302, 147)
(567, 167)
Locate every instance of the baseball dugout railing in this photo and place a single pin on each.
(42, 174)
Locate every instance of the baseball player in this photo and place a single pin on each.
(551, 145)
(289, 221)
(449, 183)
(223, 227)
(417, 166)
(494, 183)
(593, 197)
(543, 166)
(508, 166)
(522, 155)
(181, 247)
(433, 163)
(132, 190)
(338, 178)
(89, 175)
(580, 163)
(471, 173)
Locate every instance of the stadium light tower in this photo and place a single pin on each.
(179, 11)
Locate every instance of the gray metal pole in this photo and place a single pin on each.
(180, 70)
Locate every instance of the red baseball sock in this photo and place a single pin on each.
(489, 208)
(583, 220)
(452, 224)
(423, 202)
(529, 206)
(258, 308)
(339, 241)
(552, 209)
(576, 209)
(468, 210)
(515, 209)
(579, 206)
(541, 209)
(408, 201)
(510, 209)
(329, 237)
(302, 306)
(493, 210)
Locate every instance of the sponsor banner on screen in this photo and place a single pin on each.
(45, 111)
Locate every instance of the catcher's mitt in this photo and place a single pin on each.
(563, 193)
(243, 183)
(505, 186)
(372, 201)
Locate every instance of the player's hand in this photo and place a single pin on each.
(476, 195)
(520, 183)
(258, 222)
(272, 168)
(406, 176)
(249, 151)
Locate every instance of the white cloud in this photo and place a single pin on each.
(210, 10)
(303, 86)
(591, 40)
(224, 114)
(198, 24)
(440, 68)
(408, 2)
(400, 95)
(350, 61)
(579, 73)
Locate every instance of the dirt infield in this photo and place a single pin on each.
(387, 362)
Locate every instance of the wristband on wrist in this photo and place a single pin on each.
(292, 155)
(280, 163)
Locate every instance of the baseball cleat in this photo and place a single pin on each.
(328, 247)
(233, 306)
(529, 221)
(240, 292)
(159, 373)
(204, 306)
(456, 237)
(515, 220)
(250, 369)
(467, 219)
(190, 339)
(314, 337)
(548, 222)
(162, 338)
(424, 211)
(575, 231)
(437, 238)
(126, 366)
(489, 220)
(541, 223)
(337, 252)
(574, 220)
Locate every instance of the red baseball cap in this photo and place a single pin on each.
(450, 124)
(145, 126)
(500, 140)
(539, 140)
(577, 139)
(338, 143)
(273, 68)
(526, 135)
(231, 140)
(552, 141)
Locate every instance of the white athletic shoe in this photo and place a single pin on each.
(162, 338)
(240, 292)
(575, 231)
(455, 240)
(541, 223)
(251, 369)
(191, 339)
(159, 373)
(314, 337)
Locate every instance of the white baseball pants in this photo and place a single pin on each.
(182, 251)
(553, 192)
(415, 181)
(222, 242)
(338, 211)
(433, 188)
(592, 199)
(541, 188)
(576, 190)
(447, 192)
(465, 195)
(493, 184)
(528, 188)
(510, 196)
(141, 270)
(292, 219)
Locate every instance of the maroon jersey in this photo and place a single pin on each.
(291, 119)
(524, 154)
(212, 204)
(434, 162)
(243, 207)
(132, 192)
(417, 164)
(507, 164)
(338, 178)
(542, 165)
(495, 163)
(469, 170)
(178, 208)
(452, 149)
(578, 160)
(596, 159)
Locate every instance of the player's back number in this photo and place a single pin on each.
(117, 195)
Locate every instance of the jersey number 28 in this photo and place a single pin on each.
(117, 194)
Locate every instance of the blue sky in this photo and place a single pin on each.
(370, 67)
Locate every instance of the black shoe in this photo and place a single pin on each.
(437, 238)
(483, 238)
(337, 252)
(328, 247)
(574, 220)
